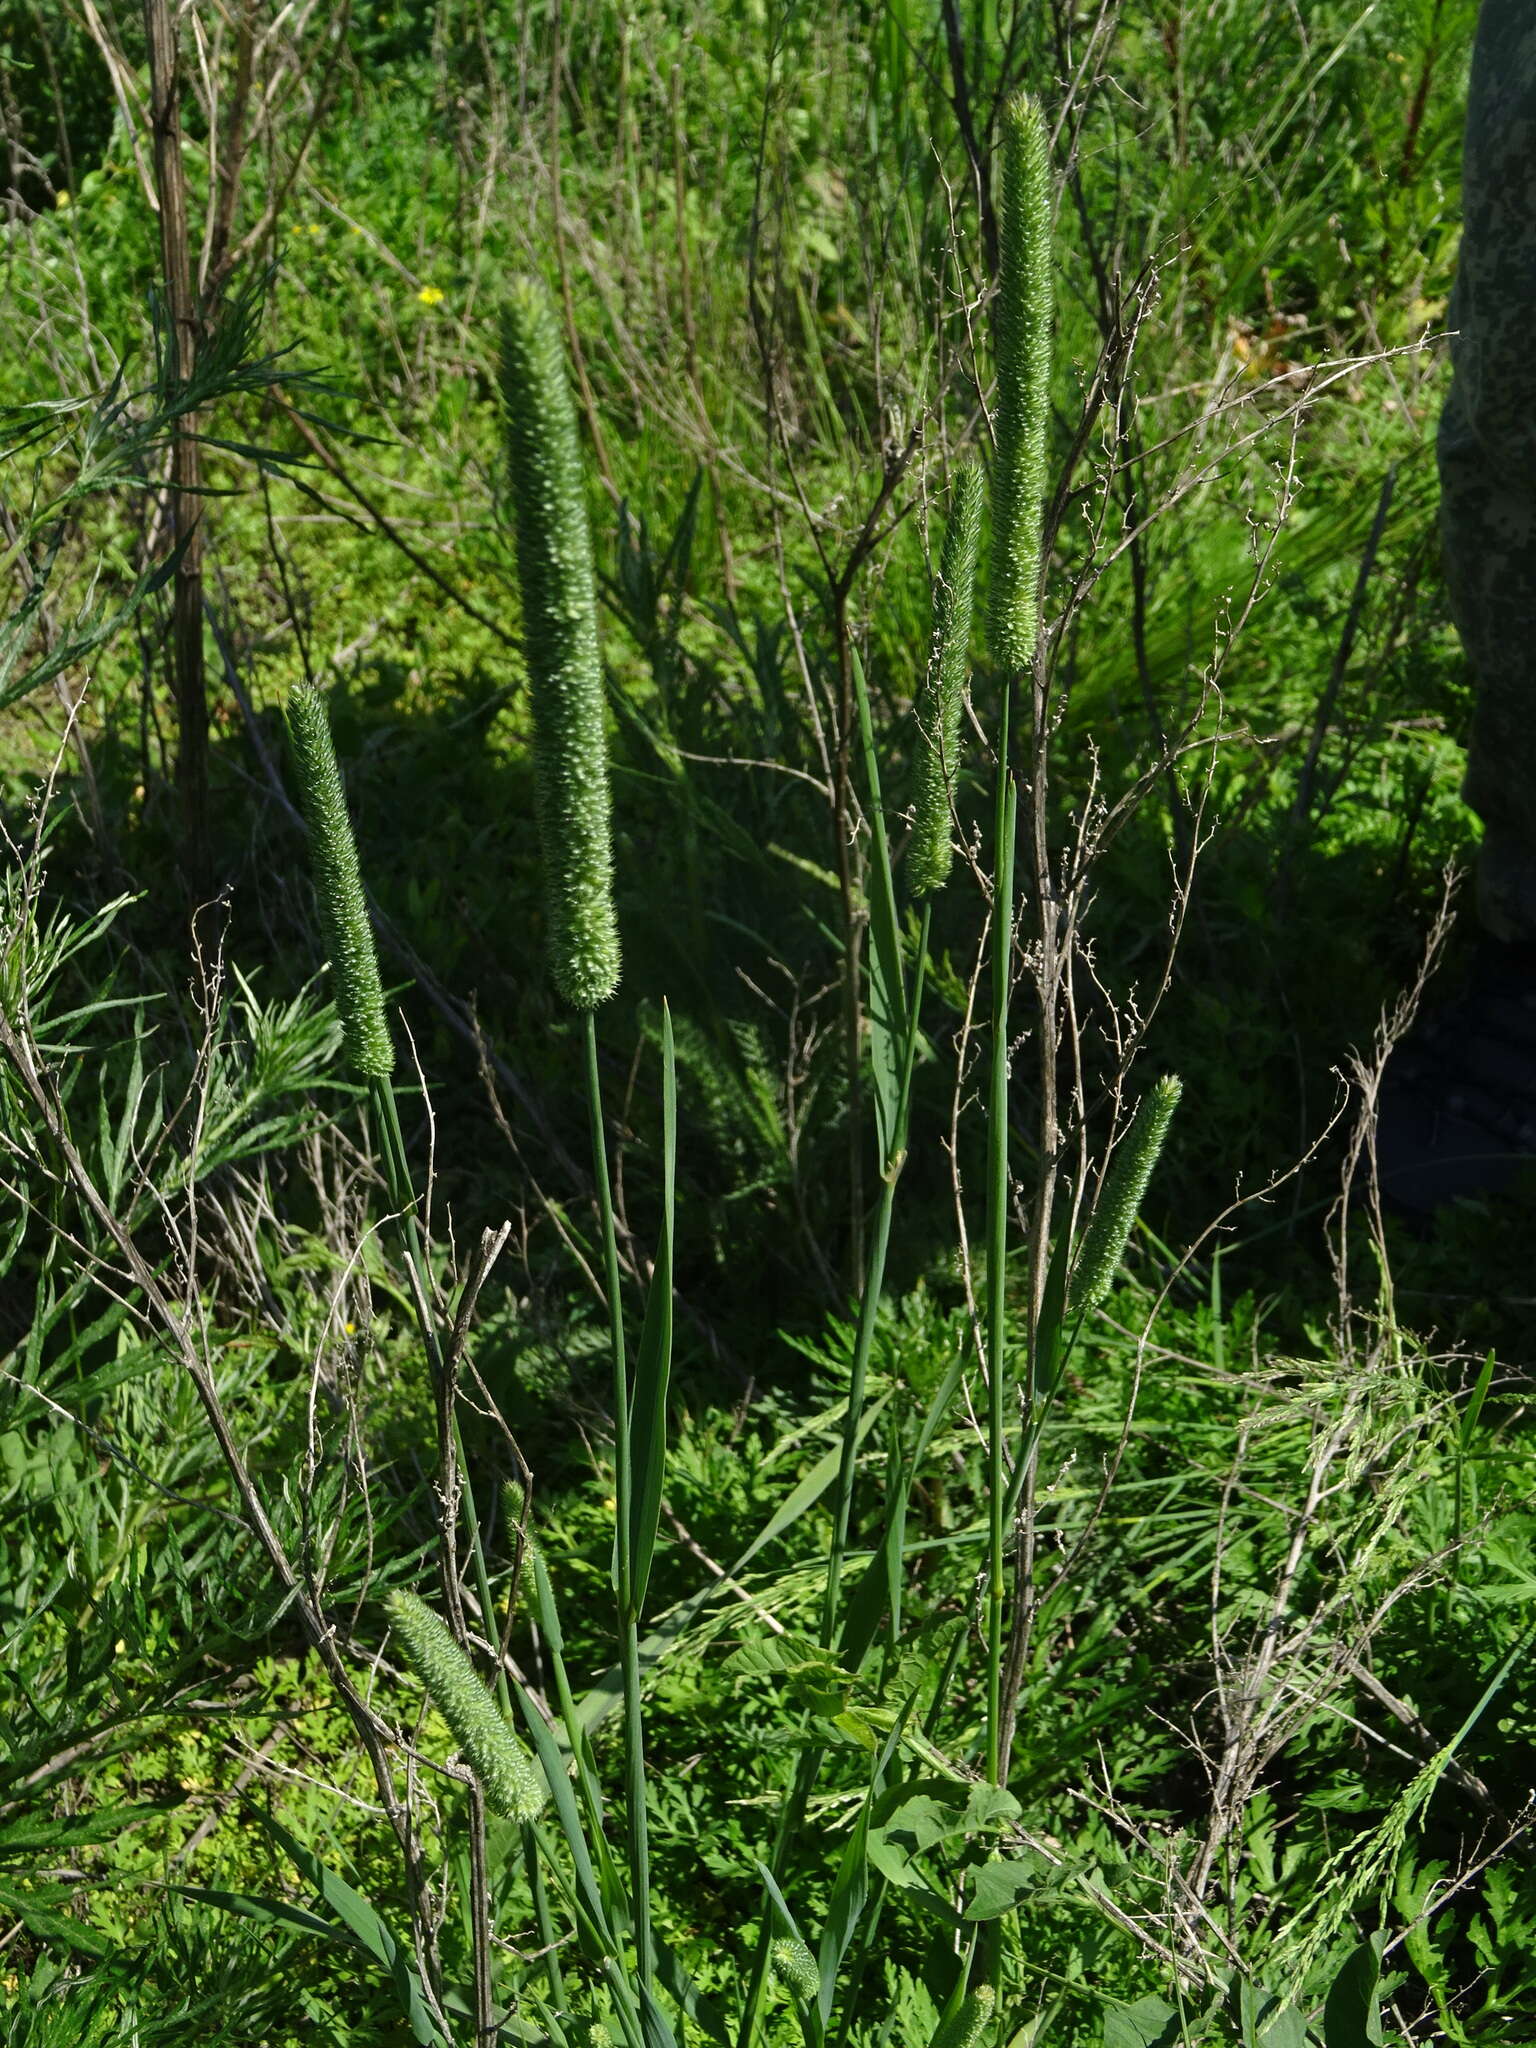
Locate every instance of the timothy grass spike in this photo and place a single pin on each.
(554, 566)
(931, 850)
(795, 1967)
(339, 887)
(1022, 341)
(514, 1502)
(965, 2028)
(1124, 1190)
(511, 1785)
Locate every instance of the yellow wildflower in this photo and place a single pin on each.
(429, 295)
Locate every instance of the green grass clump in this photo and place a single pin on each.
(1022, 335)
(931, 851)
(511, 1785)
(339, 888)
(554, 566)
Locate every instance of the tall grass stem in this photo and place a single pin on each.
(998, 1209)
(629, 1624)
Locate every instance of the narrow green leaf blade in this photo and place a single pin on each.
(367, 1927)
(887, 991)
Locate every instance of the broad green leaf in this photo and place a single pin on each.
(996, 1888)
(1352, 2009)
(1150, 2023)
(989, 1806)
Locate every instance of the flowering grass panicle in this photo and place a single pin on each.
(554, 566)
(1022, 332)
(511, 1785)
(339, 888)
(1125, 1188)
(931, 849)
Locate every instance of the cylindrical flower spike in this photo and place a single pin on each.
(966, 2027)
(339, 888)
(795, 1967)
(512, 1786)
(1022, 339)
(931, 849)
(554, 566)
(519, 1522)
(1124, 1190)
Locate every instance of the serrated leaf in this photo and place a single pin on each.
(989, 1806)
(996, 1888)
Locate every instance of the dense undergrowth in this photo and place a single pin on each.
(1271, 1777)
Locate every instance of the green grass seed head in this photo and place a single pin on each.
(965, 2028)
(512, 1787)
(1124, 1190)
(554, 566)
(931, 849)
(514, 1506)
(339, 887)
(1021, 325)
(795, 1967)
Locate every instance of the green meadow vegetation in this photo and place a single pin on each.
(728, 743)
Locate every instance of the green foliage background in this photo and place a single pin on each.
(726, 173)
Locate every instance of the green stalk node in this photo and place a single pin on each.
(554, 566)
(339, 888)
(1125, 1189)
(795, 1967)
(511, 1785)
(931, 849)
(1021, 328)
(966, 2027)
